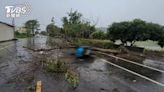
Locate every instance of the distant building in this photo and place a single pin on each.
(21, 30)
(6, 31)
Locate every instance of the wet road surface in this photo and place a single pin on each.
(95, 74)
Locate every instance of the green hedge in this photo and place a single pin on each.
(22, 35)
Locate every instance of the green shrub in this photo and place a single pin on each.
(98, 35)
(56, 66)
(72, 78)
(21, 35)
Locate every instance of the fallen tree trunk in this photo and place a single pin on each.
(45, 49)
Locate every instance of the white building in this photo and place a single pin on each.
(21, 30)
(6, 31)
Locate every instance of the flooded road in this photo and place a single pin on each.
(95, 74)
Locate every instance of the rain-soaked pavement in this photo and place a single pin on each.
(95, 74)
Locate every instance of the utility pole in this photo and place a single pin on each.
(13, 23)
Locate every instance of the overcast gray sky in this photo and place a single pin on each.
(104, 12)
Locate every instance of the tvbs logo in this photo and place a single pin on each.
(17, 10)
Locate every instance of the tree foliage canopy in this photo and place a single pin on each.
(74, 26)
(161, 40)
(136, 30)
(31, 25)
(52, 30)
(98, 35)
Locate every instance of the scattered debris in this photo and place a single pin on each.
(56, 66)
(72, 78)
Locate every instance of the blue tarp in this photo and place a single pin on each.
(80, 52)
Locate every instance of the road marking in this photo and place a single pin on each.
(132, 62)
(38, 87)
(137, 74)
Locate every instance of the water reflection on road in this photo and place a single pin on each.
(95, 75)
(104, 76)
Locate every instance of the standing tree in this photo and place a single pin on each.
(128, 31)
(52, 30)
(137, 31)
(74, 26)
(31, 25)
(154, 31)
(161, 38)
(119, 31)
(71, 24)
(161, 41)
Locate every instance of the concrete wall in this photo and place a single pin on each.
(6, 32)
